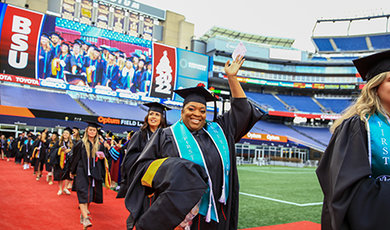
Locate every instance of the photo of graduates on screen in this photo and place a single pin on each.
(83, 63)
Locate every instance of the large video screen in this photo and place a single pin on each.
(56, 52)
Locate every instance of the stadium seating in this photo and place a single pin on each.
(336, 105)
(323, 44)
(351, 43)
(34, 99)
(301, 103)
(284, 130)
(267, 100)
(355, 44)
(380, 41)
(321, 134)
(115, 110)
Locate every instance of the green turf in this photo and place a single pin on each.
(298, 185)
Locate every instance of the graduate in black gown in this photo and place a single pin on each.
(156, 118)
(53, 143)
(166, 166)
(354, 172)
(18, 151)
(40, 148)
(87, 166)
(60, 160)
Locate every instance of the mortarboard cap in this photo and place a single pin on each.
(55, 34)
(372, 65)
(93, 124)
(157, 107)
(65, 44)
(54, 133)
(134, 55)
(69, 130)
(195, 94)
(74, 127)
(44, 35)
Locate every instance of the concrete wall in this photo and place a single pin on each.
(37, 5)
(177, 32)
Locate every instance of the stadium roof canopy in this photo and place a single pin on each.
(259, 39)
(352, 35)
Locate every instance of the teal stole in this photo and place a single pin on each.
(189, 149)
(378, 140)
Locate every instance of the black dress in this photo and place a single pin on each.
(235, 124)
(352, 198)
(90, 173)
(134, 148)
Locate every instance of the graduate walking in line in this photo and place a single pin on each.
(88, 167)
(156, 118)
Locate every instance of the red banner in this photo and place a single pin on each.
(18, 79)
(164, 71)
(19, 41)
(306, 115)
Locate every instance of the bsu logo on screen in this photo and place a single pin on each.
(17, 56)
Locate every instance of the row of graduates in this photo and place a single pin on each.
(69, 157)
(82, 63)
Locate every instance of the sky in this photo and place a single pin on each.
(293, 19)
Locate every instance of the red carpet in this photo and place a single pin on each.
(302, 225)
(29, 204)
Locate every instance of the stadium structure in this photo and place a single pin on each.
(301, 93)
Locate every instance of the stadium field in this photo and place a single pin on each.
(272, 195)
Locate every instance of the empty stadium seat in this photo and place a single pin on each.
(323, 44)
(336, 105)
(301, 103)
(351, 43)
(268, 100)
(380, 41)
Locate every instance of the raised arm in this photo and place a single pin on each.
(231, 72)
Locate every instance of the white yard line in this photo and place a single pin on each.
(281, 201)
(277, 172)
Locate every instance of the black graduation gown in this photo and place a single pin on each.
(60, 173)
(20, 153)
(352, 198)
(86, 193)
(235, 124)
(134, 148)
